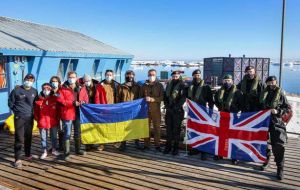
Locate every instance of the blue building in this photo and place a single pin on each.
(45, 51)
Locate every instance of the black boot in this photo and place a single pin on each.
(234, 161)
(193, 152)
(78, 151)
(60, 140)
(280, 173)
(168, 148)
(216, 158)
(122, 146)
(66, 149)
(203, 156)
(175, 148)
(137, 144)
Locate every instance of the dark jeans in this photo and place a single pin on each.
(67, 127)
(23, 135)
(173, 121)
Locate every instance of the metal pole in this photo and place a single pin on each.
(282, 40)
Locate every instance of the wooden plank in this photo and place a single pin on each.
(205, 166)
(67, 163)
(136, 169)
(164, 172)
(22, 177)
(70, 177)
(226, 176)
(156, 179)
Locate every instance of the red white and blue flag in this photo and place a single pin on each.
(236, 136)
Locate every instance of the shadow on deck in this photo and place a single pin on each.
(135, 169)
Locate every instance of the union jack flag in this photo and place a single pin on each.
(236, 136)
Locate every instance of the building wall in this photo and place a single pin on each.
(44, 66)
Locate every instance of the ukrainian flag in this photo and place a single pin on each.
(107, 123)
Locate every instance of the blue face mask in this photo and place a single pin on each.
(28, 84)
(54, 84)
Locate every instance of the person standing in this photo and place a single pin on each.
(89, 89)
(174, 98)
(128, 91)
(228, 99)
(273, 98)
(21, 102)
(153, 92)
(202, 94)
(251, 88)
(106, 93)
(56, 84)
(69, 100)
(110, 87)
(47, 116)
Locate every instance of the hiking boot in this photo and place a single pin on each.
(203, 156)
(280, 173)
(168, 148)
(78, 151)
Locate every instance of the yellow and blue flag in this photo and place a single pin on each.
(107, 123)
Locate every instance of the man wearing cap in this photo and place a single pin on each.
(202, 94)
(228, 99)
(153, 92)
(273, 98)
(251, 88)
(21, 102)
(128, 91)
(174, 99)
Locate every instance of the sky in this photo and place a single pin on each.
(173, 29)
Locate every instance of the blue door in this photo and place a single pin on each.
(4, 88)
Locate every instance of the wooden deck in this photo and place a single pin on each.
(134, 169)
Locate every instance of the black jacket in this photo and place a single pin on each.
(251, 101)
(178, 102)
(206, 95)
(237, 102)
(21, 101)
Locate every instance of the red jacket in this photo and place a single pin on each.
(46, 112)
(67, 97)
(83, 95)
(100, 96)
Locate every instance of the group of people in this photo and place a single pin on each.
(56, 109)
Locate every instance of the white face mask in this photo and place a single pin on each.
(109, 78)
(28, 84)
(46, 92)
(72, 80)
(54, 84)
(88, 83)
(152, 78)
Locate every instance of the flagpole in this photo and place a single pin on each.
(282, 40)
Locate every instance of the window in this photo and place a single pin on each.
(97, 74)
(118, 69)
(3, 79)
(65, 66)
